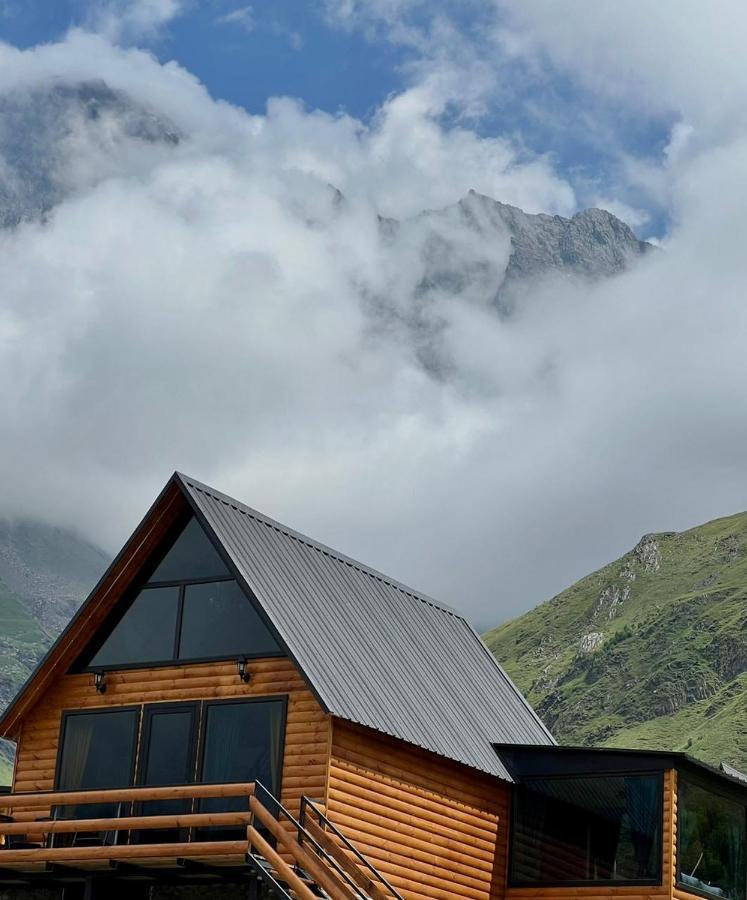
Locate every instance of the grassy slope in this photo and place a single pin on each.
(650, 651)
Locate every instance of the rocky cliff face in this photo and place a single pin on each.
(39, 129)
(650, 651)
(591, 245)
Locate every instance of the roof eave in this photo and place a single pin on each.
(56, 658)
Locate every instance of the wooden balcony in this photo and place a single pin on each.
(294, 859)
(31, 825)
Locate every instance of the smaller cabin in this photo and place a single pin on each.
(236, 703)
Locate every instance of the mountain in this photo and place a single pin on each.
(64, 136)
(45, 573)
(471, 234)
(40, 129)
(650, 651)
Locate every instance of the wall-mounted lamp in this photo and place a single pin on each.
(99, 681)
(243, 670)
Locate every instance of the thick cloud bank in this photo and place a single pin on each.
(192, 287)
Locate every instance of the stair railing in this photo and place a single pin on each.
(333, 873)
(321, 826)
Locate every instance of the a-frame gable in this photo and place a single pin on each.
(185, 607)
(138, 560)
(371, 650)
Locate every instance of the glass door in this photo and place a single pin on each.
(168, 751)
(242, 741)
(97, 752)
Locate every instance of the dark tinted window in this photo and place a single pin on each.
(191, 556)
(168, 745)
(711, 842)
(243, 742)
(219, 620)
(98, 751)
(146, 631)
(167, 756)
(605, 828)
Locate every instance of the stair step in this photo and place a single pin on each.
(276, 880)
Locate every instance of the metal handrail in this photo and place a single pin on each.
(308, 803)
(305, 836)
(264, 874)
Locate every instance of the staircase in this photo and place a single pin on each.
(308, 858)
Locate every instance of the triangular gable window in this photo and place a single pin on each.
(192, 556)
(190, 609)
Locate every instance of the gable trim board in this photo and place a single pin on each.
(373, 651)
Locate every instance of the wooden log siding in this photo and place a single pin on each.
(305, 759)
(603, 892)
(435, 829)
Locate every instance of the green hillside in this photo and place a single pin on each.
(650, 651)
(45, 572)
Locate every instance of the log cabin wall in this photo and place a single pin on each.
(436, 829)
(305, 759)
(600, 891)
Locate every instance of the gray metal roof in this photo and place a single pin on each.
(374, 651)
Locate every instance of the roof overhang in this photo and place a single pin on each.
(535, 761)
(170, 504)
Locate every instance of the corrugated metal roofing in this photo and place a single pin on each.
(374, 651)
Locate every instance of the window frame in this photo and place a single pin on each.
(197, 738)
(148, 710)
(200, 758)
(98, 710)
(103, 635)
(719, 791)
(657, 880)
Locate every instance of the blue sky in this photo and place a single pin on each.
(247, 53)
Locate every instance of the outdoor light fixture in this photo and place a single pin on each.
(241, 668)
(99, 681)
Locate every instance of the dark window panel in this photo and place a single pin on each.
(711, 834)
(167, 757)
(97, 751)
(591, 829)
(243, 742)
(191, 556)
(220, 621)
(145, 633)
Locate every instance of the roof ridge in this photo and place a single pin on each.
(246, 510)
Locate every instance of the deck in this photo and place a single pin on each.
(41, 843)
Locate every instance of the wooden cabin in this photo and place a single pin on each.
(236, 703)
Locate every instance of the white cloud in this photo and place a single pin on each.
(212, 306)
(132, 20)
(673, 55)
(243, 17)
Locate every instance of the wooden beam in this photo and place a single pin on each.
(126, 823)
(326, 877)
(45, 799)
(284, 871)
(130, 851)
(158, 520)
(345, 862)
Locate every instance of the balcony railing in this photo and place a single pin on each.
(116, 831)
(296, 859)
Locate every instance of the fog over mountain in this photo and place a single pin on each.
(401, 336)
